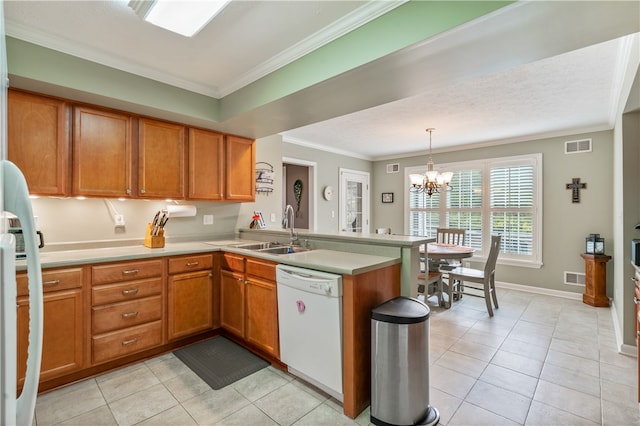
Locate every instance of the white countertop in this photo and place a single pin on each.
(324, 260)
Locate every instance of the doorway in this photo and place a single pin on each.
(354, 201)
(298, 180)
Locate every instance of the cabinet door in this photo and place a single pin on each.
(190, 298)
(101, 153)
(232, 302)
(62, 345)
(206, 165)
(262, 315)
(240, 169)
(38, 141)
(161, 159)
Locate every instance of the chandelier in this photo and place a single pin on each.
(431, 181)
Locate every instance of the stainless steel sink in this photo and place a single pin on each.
(284, 250)
(257, 246)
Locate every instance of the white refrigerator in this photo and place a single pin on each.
(14, 198)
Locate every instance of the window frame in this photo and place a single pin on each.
(485, 165)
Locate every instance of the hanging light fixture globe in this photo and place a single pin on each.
(431, 181)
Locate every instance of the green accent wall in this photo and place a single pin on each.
(404, 26)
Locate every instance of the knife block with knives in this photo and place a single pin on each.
(153, 241)
(154, 237)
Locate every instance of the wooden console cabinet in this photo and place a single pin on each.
(595, 268)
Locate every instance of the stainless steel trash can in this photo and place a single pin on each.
(400, 364)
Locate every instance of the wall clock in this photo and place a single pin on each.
(327, 193)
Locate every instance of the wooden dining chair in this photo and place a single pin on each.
(431, 283)
(450, 236)
(459, 277)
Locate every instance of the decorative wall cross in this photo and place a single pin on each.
(576, 186)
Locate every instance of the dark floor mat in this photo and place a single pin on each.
(219, 361)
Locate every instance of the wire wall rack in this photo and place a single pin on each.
(264, 178)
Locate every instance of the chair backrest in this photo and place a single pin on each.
(450, 236)
(490, 266)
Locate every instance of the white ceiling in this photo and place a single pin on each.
(569, 85)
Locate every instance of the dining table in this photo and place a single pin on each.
(440, 251)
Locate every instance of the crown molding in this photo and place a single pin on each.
(355, 19)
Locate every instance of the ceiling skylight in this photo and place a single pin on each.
(185, 17)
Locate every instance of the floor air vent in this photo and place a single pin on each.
(574, 278)
(575, 147)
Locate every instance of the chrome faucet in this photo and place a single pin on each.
(288, 220)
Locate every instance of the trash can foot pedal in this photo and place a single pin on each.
(432, 417)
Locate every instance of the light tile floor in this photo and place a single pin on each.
(540, 360)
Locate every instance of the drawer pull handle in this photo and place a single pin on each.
(130, 271)
(129, 314)
(51, 282)
(130, 291)
(190, 264)
(130, 341)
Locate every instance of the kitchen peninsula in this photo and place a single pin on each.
(91, 295)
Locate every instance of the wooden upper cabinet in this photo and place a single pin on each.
(206, 165)
(161, 156)
(38, 141)
(240, 170)
(102, 154)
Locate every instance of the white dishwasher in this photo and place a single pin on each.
(310, 323)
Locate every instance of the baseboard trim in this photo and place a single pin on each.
(539, 290)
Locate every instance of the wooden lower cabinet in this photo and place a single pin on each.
(249, 302)
(127, 308)
(189, 295)
(261, 304)
(232, 302)
(63, 319)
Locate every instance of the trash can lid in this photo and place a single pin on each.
(401, 310)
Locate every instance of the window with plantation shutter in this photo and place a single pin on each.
(487, 197)
(464, 205)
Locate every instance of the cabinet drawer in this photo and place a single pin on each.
(233, 262)
(261, 268)
(124, 342)
(120, 315)
(112, 293)
(190, 263)
(60, 279)
(103, 274)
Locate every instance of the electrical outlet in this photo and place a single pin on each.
(207, 219)
(273, 217)
(119, 219)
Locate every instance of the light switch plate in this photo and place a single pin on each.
(207, 219)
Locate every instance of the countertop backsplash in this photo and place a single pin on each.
(71, 221)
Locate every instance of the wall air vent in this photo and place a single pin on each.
(576, 147)
(574, 278)
(393, 168)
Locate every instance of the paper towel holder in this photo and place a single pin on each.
(181, 210)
